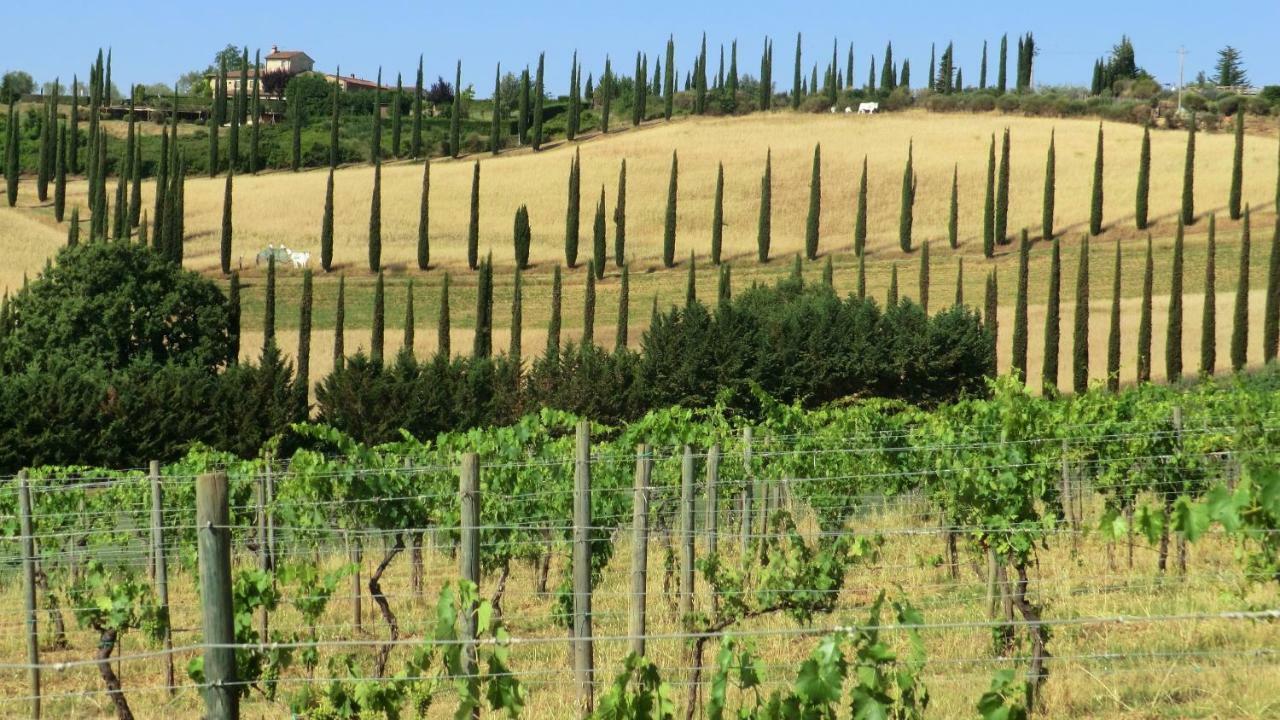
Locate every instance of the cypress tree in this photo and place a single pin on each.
(119, 217)
(1271, 311)
(1144, 319)
(1052, 322)
(933, 81)
(455, 117)
(444, 330)
(269, 308)
(638, 89)
(415, 141)
(254, 134)
(326, 227)
(796, 89)
(691, 283)
(237, 118)
(424, 214)
(1050, 188)
(1080, 341)
(1144, 180)
(724, 289)
(44, 171)
(522, 121)
(553, 324)
(1019, 361)
(335, 119)
(982, 68)
(891, 299)
(60, 177)
(1002, 193)
(1002, 66)
(871, 76)
(1173, 330)
(620, 219)
(599, 249)
(990, 310)
(571, 215)
(764, 227)
(73, 151)
(539, 95)
(1237, 167)
(1189, 176)
(303, 375)
(483, 339)
(473, 225)
(960, 281)
(375, 220)
(606, 95)
(11, 169)
(377, 338)
(142, 230)
(953, 214)
(589, 308)
(906, 217)
(516, 349)
(860, 219)
(717, 217)
(669, 80)
(624, 310)
(396, 116)
(135, 193)
(1240, 327)
(233, 314)
(1113, 336)
(887, 80)
(295, 127)
(226, 225)
(217, 116)
(1209, 318)
(1095, 205)
(924, 277)
(669, 226)
(813, 221)
(522, 237)
(73, 230)
(495, 124)
(989, 204)
(375, 141)
(862, 277)
(829, 273)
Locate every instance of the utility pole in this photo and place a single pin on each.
(1182, 61)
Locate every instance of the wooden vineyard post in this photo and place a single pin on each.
(583, 650)
(640, 547)
(713, 507)
(686, 534)
(213, 543)
(29, 592)
(160, 563)
(469, 548)
(748, 490)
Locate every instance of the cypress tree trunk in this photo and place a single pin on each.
(1095, 205)
(812, 226)
(1144, 319)
(1113, 336)
(1144, 180)
(600, 253)
(991, 311)
(764, 227)
(375, 220)
(326, 227)
(1240, 326)
(377, 341)
(269, 308)
(424, 216)
(669, 226)
(717, 217)
(444, 330)
(410, 329)
(339, 351)
(571, 214)
(1002, 193)
(1018, 364)
(226, 225)
(1209, 317)
(538, 96)
(589, 309)
(989, 204)
(1050, 188)
(1189, 176)
(620, 219)
(1237, 167)
(516, 350)
(482, 346)
(906, 215)
(924, 277)
(1173, 330)
(522, 236)
(473, 225)
(953, 214)
(303, 376)
(624, 311)
(553, 323)
(1080, 341)
(1271, 312)
(1052, 323)
(860, 220)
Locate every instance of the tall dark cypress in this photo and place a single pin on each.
(1271, 311)
(860, 219)
(1240, 324)
(73, 150)
(525, 110)
(237, 116)
(1019, 362)
(455, 116)
(135, 193)
(482, 346)
(796, 89)
(1001, 230)
(473, 224)
(255, 136)
(589, 308)
(923, 277)
(891, 298)
(1002, 65)
(539, 95)
(1095, 204)
(1173, 330)
(982, 68)
(73, 228)
(553, 322)
(600, 253)
(724, 285)
(669, 226)
(375, 220)
(989, 204)
(1189, 175)
(862, 277)
(339, 321)
(764, 227)
(303, 375)
(606, 95)
(233, 313)
(1052, 322)
(812, 226)
(1237, 167)
(1144, 318)
(668, 80)
(1209, 316)
(375, 138)
(620, 219)
(1050, 188)
(44, 171)
(638, 89)
(377, 338)
(572, 211)
(1144, 181)
(326, 227)
(1114, 333)
(225, 248)
(515, 350)
(522, 236)
(424, 216)
(269, 307)
(906, 216)
(11, 168)
(717, 217)
(1080, 339)
(959, 281)
(60, 177)
(415, 141)
(624, 311)
(397, 120)
(953, 213)
(410, 323)
(335, 120)
(295, 132)
(444, 329)
(497, 114)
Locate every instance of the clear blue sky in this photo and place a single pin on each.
(157, 41)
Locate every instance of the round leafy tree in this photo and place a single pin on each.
(114, 304)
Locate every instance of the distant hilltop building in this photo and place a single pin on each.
(281, 65)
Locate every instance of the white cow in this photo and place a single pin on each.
(868, 108)
(300, 260)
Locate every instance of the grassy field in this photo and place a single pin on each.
(285, 208)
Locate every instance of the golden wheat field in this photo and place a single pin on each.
(285, 208)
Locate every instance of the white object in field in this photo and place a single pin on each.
(300, 259)
(868, 108)
(847, 109)
(282, 255)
